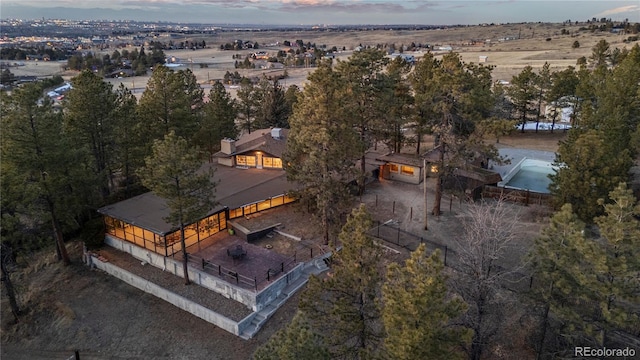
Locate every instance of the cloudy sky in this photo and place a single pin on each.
(312, 12)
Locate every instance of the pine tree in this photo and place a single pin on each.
(562, 261)
(53, 174)
(418, 310)
(297, 341)
(344, 306)
(174, 172)
(171, 101)
(619, 277)
(321, 149)
(218, 120)
(363, 87)
(586, 172)
(247, 106)
(128, 142)
(273, 110)
(523, 94)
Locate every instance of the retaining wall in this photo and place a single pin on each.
(185, 304)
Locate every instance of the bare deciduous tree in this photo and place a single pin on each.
(490, 229)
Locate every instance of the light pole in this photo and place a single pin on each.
(424, 185)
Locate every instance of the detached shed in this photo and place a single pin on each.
(401, 167)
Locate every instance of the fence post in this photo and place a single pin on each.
(376, 200)
(311, 252)
(526, 202)
(219, 270)
(421, 240)
(531, 282)
(268, 275)
(76, 354)
(203, 264)
(393, 209)
(237, 278)
(282, 266)
(378, 228)
(411, 214)
(398, 234)
(446, 249)
(255, 282)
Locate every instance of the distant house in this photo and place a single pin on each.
(483, 59)
(261, 149)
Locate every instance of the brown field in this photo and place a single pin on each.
(507, 57)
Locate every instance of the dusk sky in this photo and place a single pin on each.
(312, 12)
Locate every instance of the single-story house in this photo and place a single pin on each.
(401, 167)
(239, 192)
(261, 149)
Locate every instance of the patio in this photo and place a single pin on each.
(255, 269)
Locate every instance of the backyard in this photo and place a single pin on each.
(75, 308)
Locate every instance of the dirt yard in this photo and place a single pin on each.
(75, 308)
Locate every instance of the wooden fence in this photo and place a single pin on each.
(525, 197)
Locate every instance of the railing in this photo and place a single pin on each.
(243, 280)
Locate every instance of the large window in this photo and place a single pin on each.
(272, 162)
(407, 170)
(262, 205)
(243, 160)
(169, 244)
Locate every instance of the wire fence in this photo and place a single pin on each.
(391, 233)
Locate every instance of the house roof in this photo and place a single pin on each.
(259, 140)
(405, 159)
(147, 211)
(235, 188)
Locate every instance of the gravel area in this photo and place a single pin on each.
(196, 293)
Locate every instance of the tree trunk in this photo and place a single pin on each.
(545, 323)
(185, 259)
(8, 285)
(57, 233)
(325, 225)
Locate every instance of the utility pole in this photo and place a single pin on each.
(424, 182)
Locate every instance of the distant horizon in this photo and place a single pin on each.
(322, 12)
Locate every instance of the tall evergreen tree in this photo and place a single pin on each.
(54, 174)
(218, 121)
(620, 285)
(174, 172)
(171, 101)
(273, 110)
(417, 310)
(523, 94)
(320, 150)
(90, 122)
(364, 84)
(129, 147)
(344, 307)
(586, 172)
(248, 101)
(562, 261)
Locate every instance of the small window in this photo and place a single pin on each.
(407, 170)
(393, 168)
